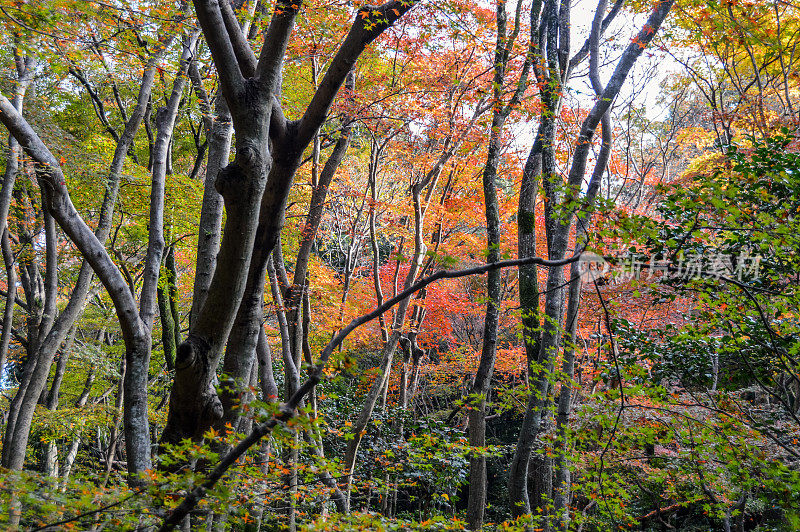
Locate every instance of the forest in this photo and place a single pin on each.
(511, 265)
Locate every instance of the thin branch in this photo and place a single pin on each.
(51, 526)
(581, 54)
(621, 393)
(369, 24)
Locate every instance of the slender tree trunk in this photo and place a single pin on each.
(476, 504)
(24, 67)
(61, 208)
(266, 379)
(11, 294)
(291, 372)
(480, 388)
(51, 448)
(113, 439)
(373, 239)
(61, 368)
(558, 227)
(387, 355)
(138, 347)
(562, 487)
(69, 461)
(167, 311)
(72, 453)
(526, 247)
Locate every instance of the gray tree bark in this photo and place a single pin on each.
(24, 71)
(254, 188)
(476, 503)
(562, 484)
(558, 228)
(136, 324)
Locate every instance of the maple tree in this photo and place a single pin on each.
(342, 266)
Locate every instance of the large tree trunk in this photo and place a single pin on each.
(210, 226)
(248, 320)
(254, 188)
(138, 349)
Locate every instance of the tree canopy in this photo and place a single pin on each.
(411, 266)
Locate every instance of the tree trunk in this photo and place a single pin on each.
(60, 206)
(167, 310)
(210, 225)
(113, 439)
(24, 67)
(483, 377)
(8, 312)
(235, 291)
(476, 504)
(138, 347)
(561, 491)
(558, 227)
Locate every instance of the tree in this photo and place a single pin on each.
(483, 376)
(58, 205)
(561, 206)
(383, 381)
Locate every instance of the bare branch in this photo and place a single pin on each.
(581, 54)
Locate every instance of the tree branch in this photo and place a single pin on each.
(216, 34)
(581, 54)
(626, 62)
(276, 39)
(241, 48)
(369, 24)
(53, 184)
